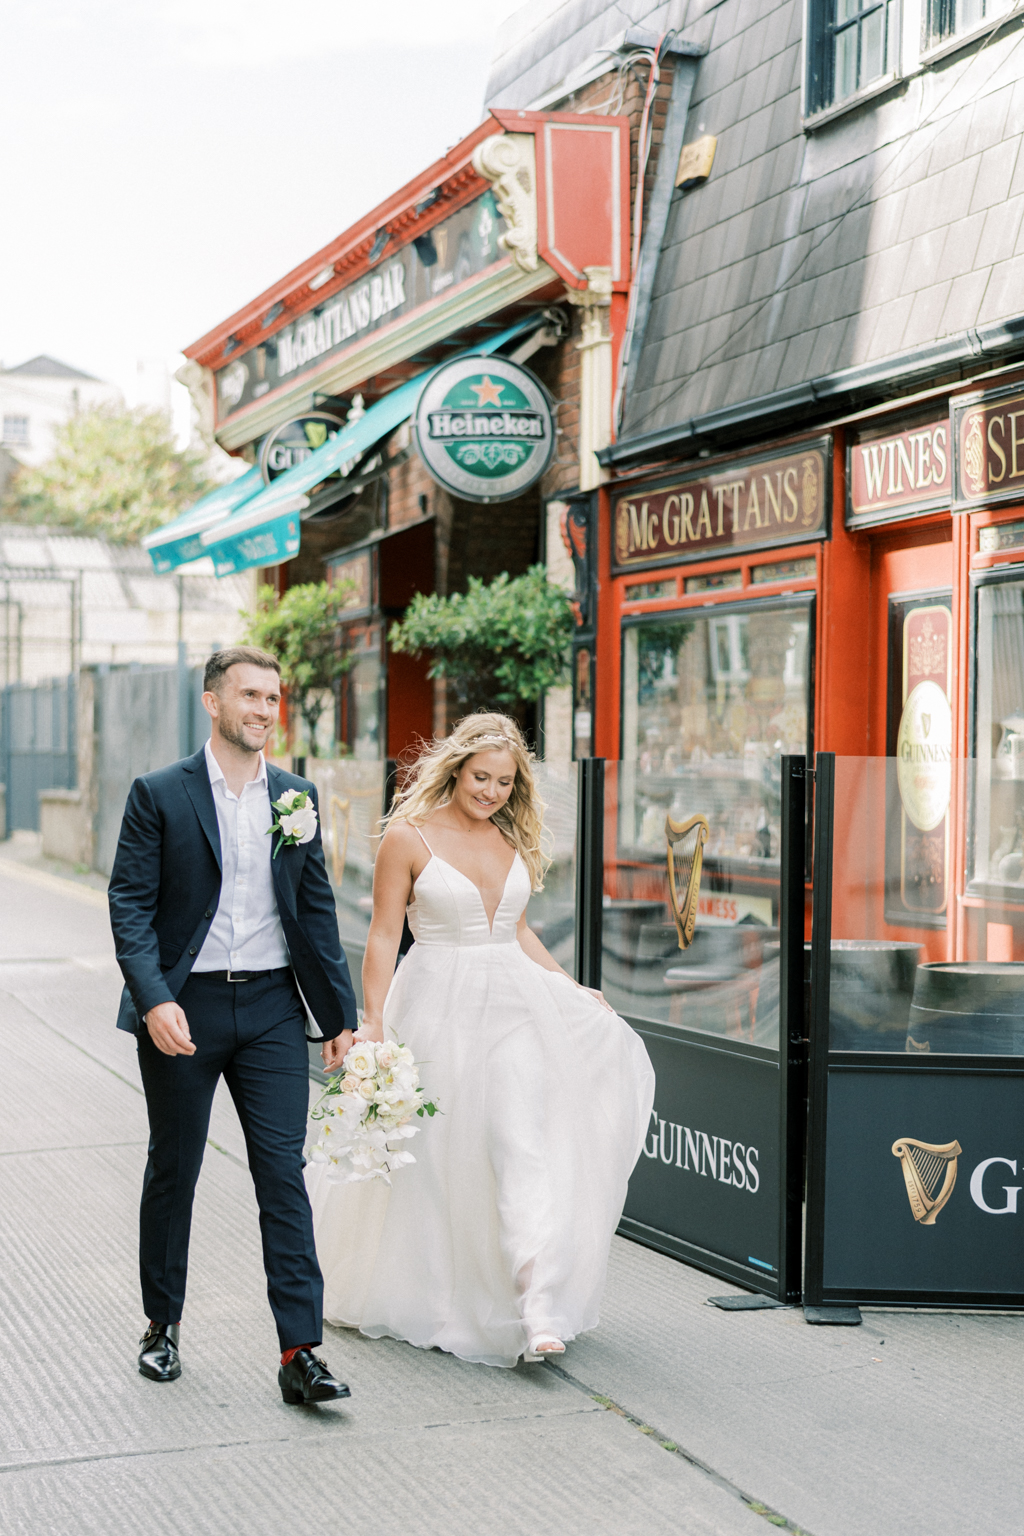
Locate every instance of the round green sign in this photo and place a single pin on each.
(484, 428)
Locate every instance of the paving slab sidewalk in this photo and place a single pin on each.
(830, 1431)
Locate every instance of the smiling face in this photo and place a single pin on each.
(484, 783)
(245, 707)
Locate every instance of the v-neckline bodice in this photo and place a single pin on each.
(435, 858)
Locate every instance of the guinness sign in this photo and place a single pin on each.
(293, 441)
(921, 740)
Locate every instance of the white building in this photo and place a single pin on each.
(36, 398)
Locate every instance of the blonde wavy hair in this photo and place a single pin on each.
(520, 819)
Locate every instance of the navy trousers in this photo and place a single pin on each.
(253, 1033)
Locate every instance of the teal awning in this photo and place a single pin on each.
(263, 529)
(179, 541)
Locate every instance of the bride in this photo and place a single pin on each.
(494, 1243)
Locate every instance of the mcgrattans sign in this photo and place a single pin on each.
(749, 504)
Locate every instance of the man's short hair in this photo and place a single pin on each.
(236, 655)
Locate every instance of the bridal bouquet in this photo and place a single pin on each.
(366, 1111)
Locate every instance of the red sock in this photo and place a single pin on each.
(289, 1354)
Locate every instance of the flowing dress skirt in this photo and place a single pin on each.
(502, 1226)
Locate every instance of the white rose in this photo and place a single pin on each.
(387, 1055)
(367, 1088)
(348, 1083)
(289, 798)
(361, 1060)
(300, 824)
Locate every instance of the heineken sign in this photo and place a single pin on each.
(484, 428)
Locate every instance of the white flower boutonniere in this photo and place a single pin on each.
(294, 819)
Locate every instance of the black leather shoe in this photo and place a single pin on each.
(158, 1358)
(306, 1379)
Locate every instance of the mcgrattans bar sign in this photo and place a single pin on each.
(749, 504)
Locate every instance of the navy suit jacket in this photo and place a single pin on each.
(165, 886)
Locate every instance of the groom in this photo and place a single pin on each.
(215, 937)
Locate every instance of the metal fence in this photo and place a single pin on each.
(38, 746)
(145, 717)
(139, 718)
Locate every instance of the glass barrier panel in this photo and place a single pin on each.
(552, 911)
(927, 942)
(691, 903)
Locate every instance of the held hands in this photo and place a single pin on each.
(168, 1030)
(334, 1051)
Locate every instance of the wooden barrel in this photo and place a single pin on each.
(870, 992)
(970, 1007)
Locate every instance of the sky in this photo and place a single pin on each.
(166, 160)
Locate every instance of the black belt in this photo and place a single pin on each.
(244, 975)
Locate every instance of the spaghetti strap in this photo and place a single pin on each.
(425, 843)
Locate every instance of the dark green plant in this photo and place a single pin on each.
(114, 474)
(502, 642)
(300, 628)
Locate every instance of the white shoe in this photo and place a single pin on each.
(541, 1345)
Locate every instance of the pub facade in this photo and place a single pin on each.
(800, 661)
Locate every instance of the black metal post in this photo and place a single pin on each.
(589, 870)
(821, 966)
(792, 1030)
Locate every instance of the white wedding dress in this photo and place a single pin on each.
(501, 1228)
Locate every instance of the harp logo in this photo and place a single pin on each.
(929, 1172)
(685, 842)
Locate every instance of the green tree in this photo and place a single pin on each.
(499, 643)
(114, 474)
(300, 628)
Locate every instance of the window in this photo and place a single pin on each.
(998, 843)
(15, 429)
(852, 44)
(709, 702)
(946, 18)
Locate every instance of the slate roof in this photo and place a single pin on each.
(895, 226)
(50, 368)
(542, 43)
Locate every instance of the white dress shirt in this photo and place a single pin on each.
(246, 932)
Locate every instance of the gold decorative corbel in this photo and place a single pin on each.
(506, 160)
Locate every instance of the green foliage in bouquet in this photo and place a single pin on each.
(502, 642)
(301, 629)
